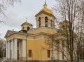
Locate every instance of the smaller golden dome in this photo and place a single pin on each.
(26, 23)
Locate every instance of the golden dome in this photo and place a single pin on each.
(45, 9)
(26, 23)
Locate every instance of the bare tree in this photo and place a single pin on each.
(68, 10)
(4, 4)
(2, 48)
(72, 10)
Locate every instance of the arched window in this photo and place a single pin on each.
(46, 21)
(28, 28)
(23, 28)
(51, 23)
(39, 20)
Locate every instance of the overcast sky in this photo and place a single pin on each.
(17, 15)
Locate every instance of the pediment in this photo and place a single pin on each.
(9, 32)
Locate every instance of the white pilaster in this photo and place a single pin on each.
(15, 49)
(24, 48)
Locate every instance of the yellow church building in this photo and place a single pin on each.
(30, 43)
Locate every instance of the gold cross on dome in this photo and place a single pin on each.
(45, 5)
(26, 19)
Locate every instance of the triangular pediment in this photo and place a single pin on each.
(9, 32)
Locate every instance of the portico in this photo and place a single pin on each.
(16, 49)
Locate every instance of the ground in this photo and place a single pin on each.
(8, 60)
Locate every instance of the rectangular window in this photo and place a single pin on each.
(30, 53)
(48, 53)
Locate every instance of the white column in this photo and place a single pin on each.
(65, 52)
(54, 53)
(6, 49)
(15, 49)
(60, 53)
(24, 48)
(12, 49)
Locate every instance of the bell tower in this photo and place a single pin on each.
(45, 17)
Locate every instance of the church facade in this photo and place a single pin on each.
(30, 43)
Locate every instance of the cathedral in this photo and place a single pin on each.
(30, 43)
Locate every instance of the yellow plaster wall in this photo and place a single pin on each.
(37, 47)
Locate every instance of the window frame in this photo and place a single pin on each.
(48, 53)
(30, 53)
